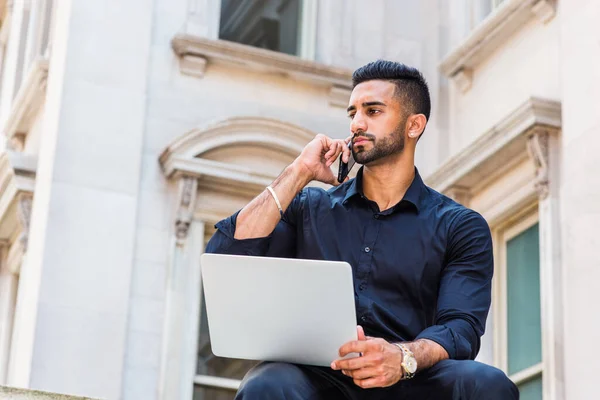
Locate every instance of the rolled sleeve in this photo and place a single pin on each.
(224, 242)
(465, 288)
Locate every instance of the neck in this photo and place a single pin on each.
(386, 182)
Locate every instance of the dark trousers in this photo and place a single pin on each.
(448, 379)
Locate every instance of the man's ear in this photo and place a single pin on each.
(416, 125)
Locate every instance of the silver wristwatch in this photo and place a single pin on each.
(409, 362)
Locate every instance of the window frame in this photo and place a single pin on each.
(307, 39)
(514, 226)
(471, 11)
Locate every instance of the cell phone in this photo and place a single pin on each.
(345, 168)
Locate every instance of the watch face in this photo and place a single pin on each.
(411, 365)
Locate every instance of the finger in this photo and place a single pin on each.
(355, 346)
(362, 373)
(351, 364)
(333, 155)
(377, 381)
(332, 147)
(360, 332)
(347, 153)
(348, 139)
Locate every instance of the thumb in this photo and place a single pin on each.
(361, 333)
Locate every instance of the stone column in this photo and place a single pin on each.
(178, 364)
(543, 148)
(74, 294)
(580, 192)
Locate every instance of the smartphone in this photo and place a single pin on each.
(345, 168)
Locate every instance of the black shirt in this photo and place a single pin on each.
(422, 269)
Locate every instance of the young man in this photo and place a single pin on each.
(422, 264)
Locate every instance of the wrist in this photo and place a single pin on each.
(408, 362)
(301, 173)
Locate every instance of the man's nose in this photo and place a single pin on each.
(358, 124)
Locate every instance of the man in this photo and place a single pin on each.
(422, 264)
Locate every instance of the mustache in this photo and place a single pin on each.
(364, 135)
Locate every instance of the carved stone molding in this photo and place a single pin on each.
(545, 10)
(461, 195)
(17, 182)
(24, 204)
(483, 41)
(184, 155)
(27, 103)
(197, 53)
(538, 150)
(188, 188)
(495, 150)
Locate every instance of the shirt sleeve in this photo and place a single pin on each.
(465, 288)
(280, 243)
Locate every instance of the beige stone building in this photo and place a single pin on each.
(131, 127)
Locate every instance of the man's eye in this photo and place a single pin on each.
(351, 116)
(374, 112)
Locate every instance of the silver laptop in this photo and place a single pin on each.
(277, 309)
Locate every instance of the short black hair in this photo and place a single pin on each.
(411, 86)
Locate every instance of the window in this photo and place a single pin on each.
(478, 10)
(521, 348)
(217, 378)
(285, 26)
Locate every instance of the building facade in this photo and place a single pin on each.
(131, 128)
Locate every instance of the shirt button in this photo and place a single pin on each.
(376, 216)
(363, 318)
(367, 249)
(362, 287)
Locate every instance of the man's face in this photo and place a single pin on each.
(378, 122)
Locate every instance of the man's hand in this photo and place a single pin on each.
(318, 156)
(378, 366)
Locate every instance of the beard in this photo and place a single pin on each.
(390, 144)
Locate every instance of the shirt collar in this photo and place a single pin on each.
(412, 195)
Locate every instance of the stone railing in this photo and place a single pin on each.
(8, 393)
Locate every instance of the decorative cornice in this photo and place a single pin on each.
(26, 105)
(491, 34)
(494, 151)
(186, 150)
(225, 173)
(197, 53)
(17, 181)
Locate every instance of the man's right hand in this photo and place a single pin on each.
(318, 156)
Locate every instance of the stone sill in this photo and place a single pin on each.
(8, 393)
(196, 53)
(490, 35)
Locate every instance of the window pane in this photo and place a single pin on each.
(203, 393)
(209, 364)
(531, 390)
(268, 24)
(523, 300)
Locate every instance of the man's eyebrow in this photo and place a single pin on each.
(367, 104)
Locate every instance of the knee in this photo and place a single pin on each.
(266, 381)
(483, 378)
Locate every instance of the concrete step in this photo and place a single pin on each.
(9, 393)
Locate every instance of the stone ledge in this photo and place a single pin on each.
(9, 393)
(492, 33)
(196, 54)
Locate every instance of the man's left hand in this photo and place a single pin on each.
(378, 366)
